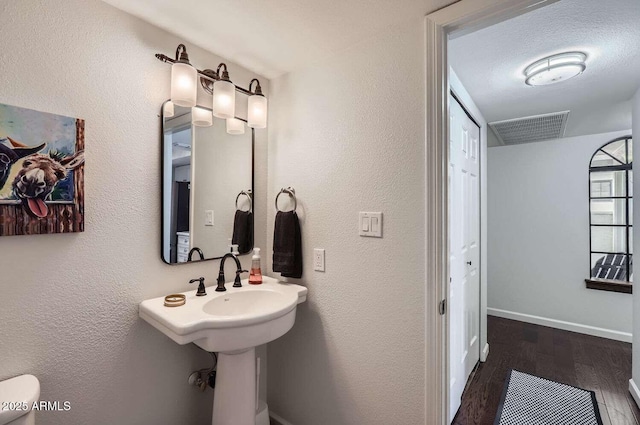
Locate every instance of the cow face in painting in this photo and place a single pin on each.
(11, 153)
(38, 177)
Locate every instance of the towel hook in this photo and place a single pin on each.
(292, 194)
(248, 195)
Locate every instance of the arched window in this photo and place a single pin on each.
(611, 210)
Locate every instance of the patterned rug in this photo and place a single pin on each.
(530, 400)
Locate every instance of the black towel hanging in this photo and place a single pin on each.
(243, 226)
(287, 240)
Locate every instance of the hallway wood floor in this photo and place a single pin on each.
(584, 361)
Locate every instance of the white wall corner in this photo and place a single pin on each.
(484, 353)
(279, 419)
(561, 324)
(635, 392)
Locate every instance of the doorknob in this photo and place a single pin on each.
(469, 262)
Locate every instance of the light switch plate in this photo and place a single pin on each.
(208, 221)
(318, 260)
(370, 224)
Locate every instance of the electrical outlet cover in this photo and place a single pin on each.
(208, 221)
(318, 260)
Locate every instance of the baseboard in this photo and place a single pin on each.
(278, 419)
(635, 393)
(484, 353)
(560, 324)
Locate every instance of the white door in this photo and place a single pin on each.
(464, 255)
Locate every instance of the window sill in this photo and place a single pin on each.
(609, 285)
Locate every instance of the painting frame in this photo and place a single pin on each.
(57, 206)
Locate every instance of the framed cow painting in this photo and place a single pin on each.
(41, 172)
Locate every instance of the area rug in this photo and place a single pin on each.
(531, 400)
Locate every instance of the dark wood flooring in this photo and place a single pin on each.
(584, 361)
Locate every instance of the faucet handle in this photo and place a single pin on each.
(201, 290)
(236, 282)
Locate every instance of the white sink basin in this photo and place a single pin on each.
(237, 319)
(248, 305)
(231, 323)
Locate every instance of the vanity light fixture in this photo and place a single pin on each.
(219, 85)
(257, 107)
(555, 68)
(235, 126)
(184, 79)
(201, 117)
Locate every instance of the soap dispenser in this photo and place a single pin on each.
(255, 277)
(233, 248)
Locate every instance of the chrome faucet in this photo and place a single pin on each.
(221, 279)
(198, 250)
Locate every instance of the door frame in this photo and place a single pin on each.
(459, 18)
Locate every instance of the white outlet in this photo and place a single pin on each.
(208, 221)
(318, 260)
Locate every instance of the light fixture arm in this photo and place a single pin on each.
(207, 76)
(258, 90)
(225, 74)
(181, 54)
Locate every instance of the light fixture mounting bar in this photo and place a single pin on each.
(203, 74)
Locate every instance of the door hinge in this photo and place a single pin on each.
(442, 307)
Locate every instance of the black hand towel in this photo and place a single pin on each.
(287, 245)
(243, 231)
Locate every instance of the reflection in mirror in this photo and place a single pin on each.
(207, 189)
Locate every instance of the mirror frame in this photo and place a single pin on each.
(162, 194)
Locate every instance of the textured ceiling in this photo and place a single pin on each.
(490, 63)
(277, 36)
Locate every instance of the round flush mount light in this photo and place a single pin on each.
(555, 69)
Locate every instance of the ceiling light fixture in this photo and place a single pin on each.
(555, 68)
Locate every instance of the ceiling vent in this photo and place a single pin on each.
(531, 129)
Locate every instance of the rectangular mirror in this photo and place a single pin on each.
(207, 188)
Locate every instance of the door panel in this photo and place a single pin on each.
(464, 244)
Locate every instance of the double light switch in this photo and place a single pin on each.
(371, 224)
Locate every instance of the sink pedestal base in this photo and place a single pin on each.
(234, 401)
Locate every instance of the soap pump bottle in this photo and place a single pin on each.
(255, 277)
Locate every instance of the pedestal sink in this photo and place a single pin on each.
(231, 323)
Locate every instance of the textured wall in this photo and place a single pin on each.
(538, 234)
(69, 302)
(348, 135)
